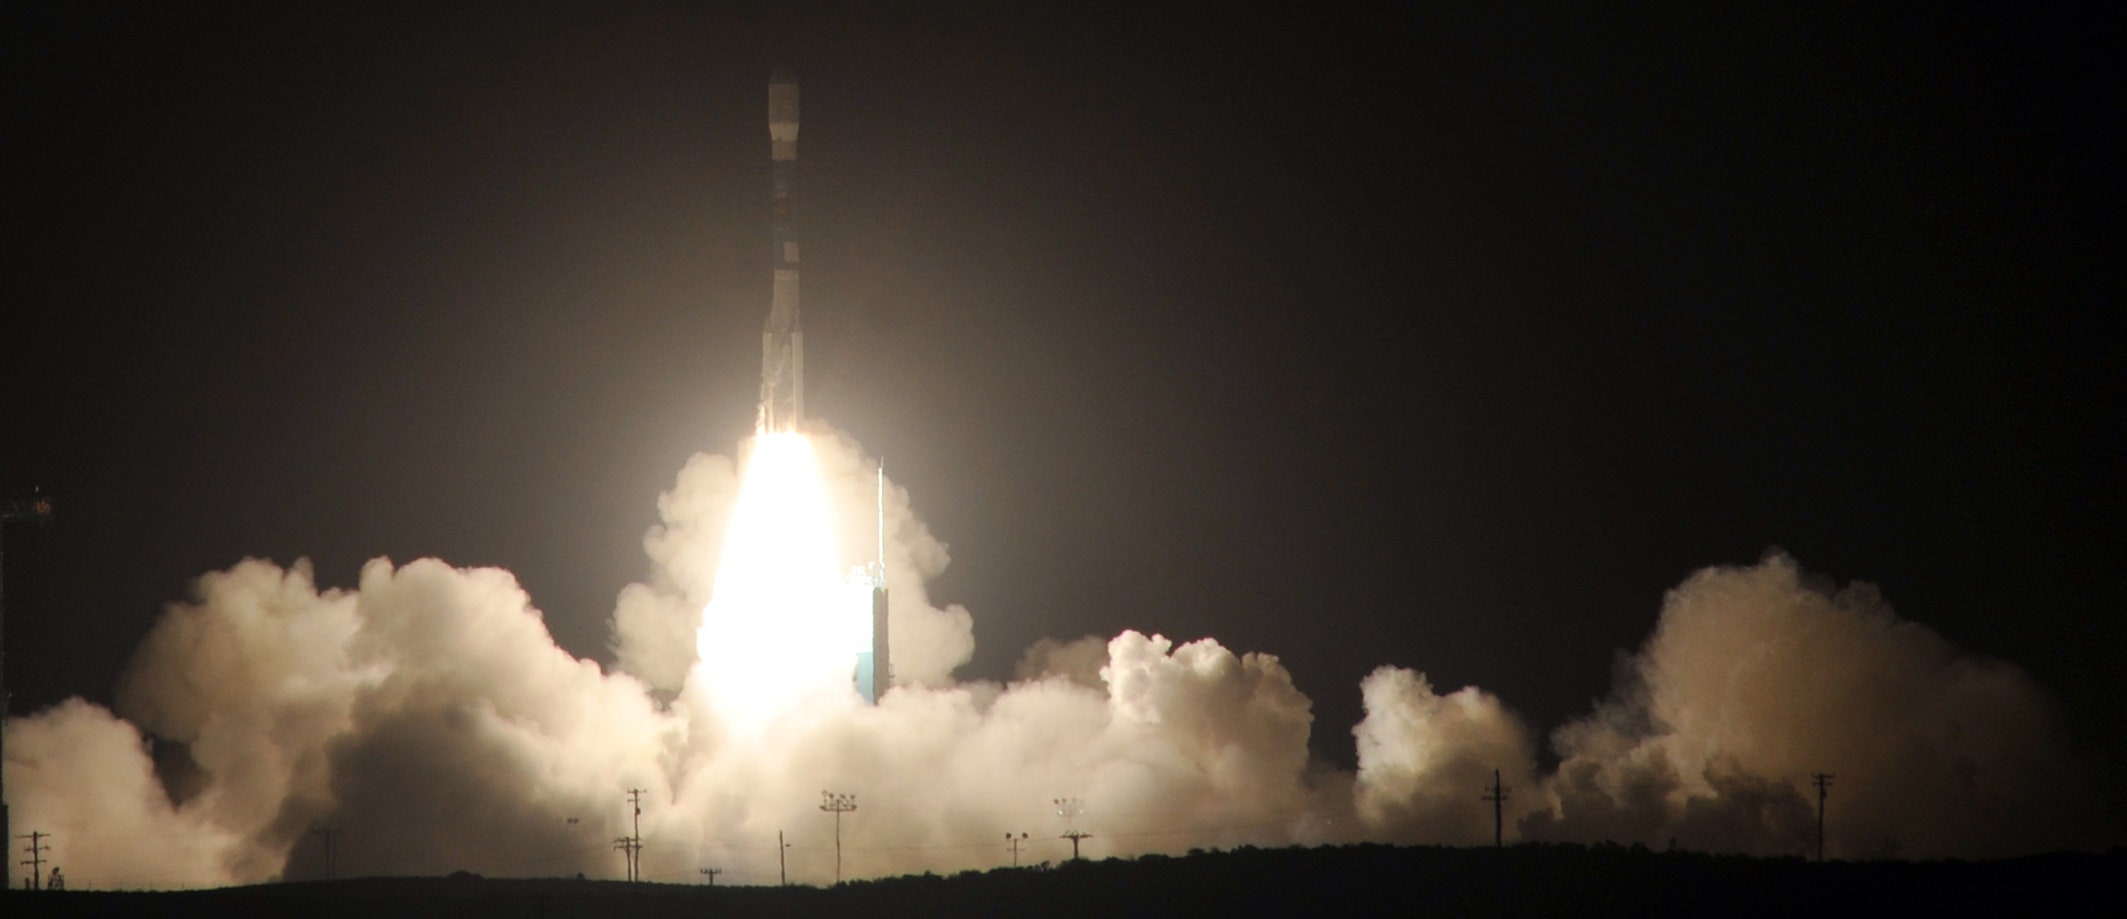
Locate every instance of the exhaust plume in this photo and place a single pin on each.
(427, 718)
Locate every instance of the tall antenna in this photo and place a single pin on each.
(881, 557)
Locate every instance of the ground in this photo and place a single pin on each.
(1350, 880)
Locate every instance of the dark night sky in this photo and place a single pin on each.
(1372, 335)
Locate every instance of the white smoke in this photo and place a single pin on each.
(426, 718)
(1423, 758)
(79, 773)
(1756, 679)
(654, 623)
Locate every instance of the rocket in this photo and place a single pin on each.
(783, 340)
(783, 363)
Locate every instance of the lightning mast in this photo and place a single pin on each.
(876, 672)
(37, 510)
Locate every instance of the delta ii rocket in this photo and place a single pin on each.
(783, 341)
(783, 364)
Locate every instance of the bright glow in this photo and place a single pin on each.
(780, 628)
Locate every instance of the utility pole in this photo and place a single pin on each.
(1014, 842)
(782, 865)
(711, 874)
(36, 850)
(1069, 809)
(1823, 782)
(38, 509)
(332, 852)
(632, 845)
(838, 804)
(1498, 797)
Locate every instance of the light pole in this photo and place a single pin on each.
(1014, 842)
(1069, 809)
(838, 804)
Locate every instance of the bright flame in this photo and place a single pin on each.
(779, 629)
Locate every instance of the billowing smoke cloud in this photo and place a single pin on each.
(1757, 678)
(654, 623)
(1423, 757)
(427, 719)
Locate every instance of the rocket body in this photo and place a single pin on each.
(783, 363)
(783, 340)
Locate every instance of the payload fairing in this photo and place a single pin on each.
(783, 341)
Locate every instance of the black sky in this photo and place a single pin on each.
(1366, 335)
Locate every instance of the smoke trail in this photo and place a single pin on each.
(426, 716)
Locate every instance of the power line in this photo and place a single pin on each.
(745, 851)
(632, 846)
(838, 804)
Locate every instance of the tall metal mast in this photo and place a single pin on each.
(38, 509)
(882, 661)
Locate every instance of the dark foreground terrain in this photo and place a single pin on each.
(1353, 880)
